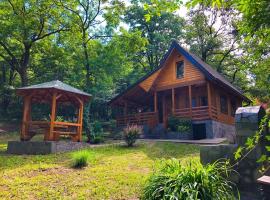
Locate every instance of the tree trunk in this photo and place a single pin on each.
(86, 61)
(23, 76)
(3, 79)
(24, 65)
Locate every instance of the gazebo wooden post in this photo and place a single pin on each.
(26, 115)
(53, 111)
(80, 121)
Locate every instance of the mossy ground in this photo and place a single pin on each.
(114, 172)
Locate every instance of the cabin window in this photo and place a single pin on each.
(203, 100)
(233, 108)
(223, 104)
(194, 102)
(180, 69)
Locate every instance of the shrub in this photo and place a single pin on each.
(80, 159)
(179, 124)
(97, 127)
(194, 181)
(96, 135)
(97, 139)
(131, 134)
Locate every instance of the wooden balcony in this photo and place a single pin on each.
(149, 118)
(197, 113)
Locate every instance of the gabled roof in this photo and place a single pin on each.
(55, 85)
(210, 73)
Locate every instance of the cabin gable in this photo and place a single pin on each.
(168, 75)
(147, 83)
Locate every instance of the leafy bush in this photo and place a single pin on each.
(179, 124)
(131, 134)
(97, 139)
(80, 159)
(97, 127)
(96, 135)
(194, 181)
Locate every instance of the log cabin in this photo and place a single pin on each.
(186, 87)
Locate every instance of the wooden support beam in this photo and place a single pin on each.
(164, 109)
(53, 112)
(190, 100)
(209, 100)
(155, 102)
(58, 96)
(173, 101)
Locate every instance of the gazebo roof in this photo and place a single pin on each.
(55, 85)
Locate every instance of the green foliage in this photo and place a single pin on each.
(97, 127)
(179, 124)
(157, 7)
(173, 181)
(131, 133)
(96, 135)
(80, 159)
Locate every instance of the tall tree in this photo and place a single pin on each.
(159, 30)
(89, 15)
(23, 24)
(211, 34)
(254, 30)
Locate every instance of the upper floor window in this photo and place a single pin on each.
(180, 69)
(223, 104)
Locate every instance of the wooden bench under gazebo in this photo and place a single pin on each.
(53, 93)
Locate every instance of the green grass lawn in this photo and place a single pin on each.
(114, 172)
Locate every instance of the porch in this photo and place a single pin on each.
(196, 102)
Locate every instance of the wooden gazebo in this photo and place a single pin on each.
(54, 93)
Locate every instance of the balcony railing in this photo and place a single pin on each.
(149, 118)
(197, 113)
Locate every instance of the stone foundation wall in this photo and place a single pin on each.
(215, 129)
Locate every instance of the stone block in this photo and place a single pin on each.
(212, 153)
(251, 114)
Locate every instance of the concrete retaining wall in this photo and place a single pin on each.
(42, 147)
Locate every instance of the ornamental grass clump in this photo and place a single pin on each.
(191, 182)
(80, 159)
(131, 133)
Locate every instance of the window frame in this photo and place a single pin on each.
(226, 111)
(183, 66)
(233, 108)
(202, 98)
